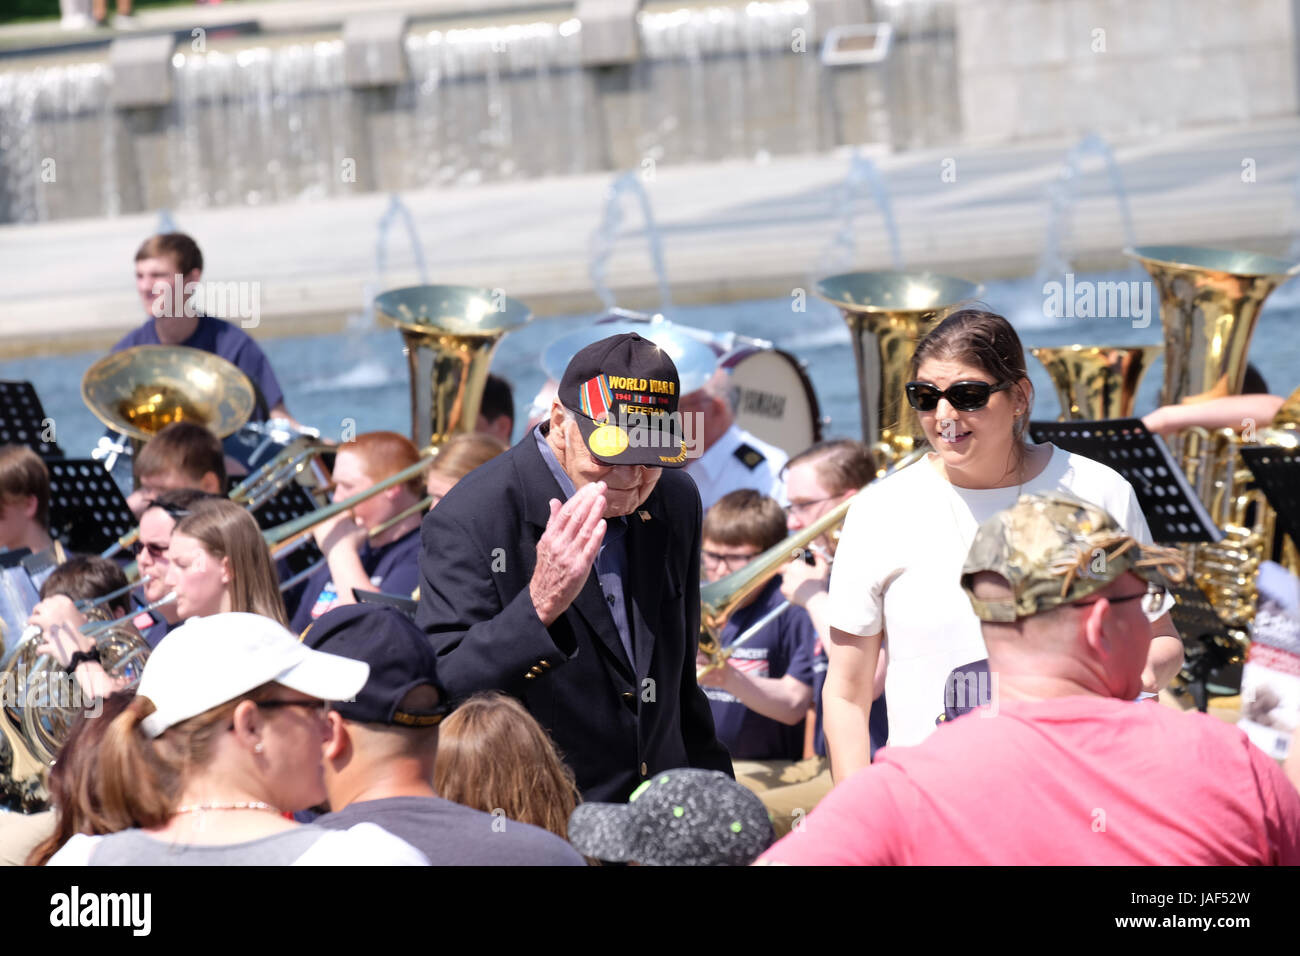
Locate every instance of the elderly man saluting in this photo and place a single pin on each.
(603, 656)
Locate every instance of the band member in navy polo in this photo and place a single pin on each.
(161, 263)
(567, 572)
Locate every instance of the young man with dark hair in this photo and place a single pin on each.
(24, 500)
(165, 261)
(496, 414)
(182, 455)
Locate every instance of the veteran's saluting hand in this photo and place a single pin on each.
(567, 551)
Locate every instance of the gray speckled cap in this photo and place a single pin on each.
(676, 818)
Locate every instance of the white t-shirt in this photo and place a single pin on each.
(362, 845)
(898, 570)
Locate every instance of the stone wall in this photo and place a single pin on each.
(240, 123)
(1121, 68)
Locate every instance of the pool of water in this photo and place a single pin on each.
(360, 377)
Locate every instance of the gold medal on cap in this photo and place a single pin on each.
(607, 441)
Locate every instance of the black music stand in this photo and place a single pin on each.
(23, 421)
(1213, 655)
(1173, 512)
(87, 510)
(1277, 473)
(404, 604)
(1175, 515)
(290, 502)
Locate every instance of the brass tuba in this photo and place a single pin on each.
(450, 333)
(887, 314)
(1097, 382)
(140, 391)
(1210, 301)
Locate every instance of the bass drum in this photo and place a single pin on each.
(774, 398)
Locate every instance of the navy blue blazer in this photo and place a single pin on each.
(615, 721)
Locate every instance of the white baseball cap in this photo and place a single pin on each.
(210, 660)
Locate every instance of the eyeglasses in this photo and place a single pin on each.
(963, 396)
(801, 507)
(156, 551)
(1155, 598)
(321, 707)
(732, 562)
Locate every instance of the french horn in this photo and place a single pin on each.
(41, 702)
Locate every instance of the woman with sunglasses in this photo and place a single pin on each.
(221, 743)
(218, 562)
(896, 574)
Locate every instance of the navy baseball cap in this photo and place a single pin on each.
(400, 658)
(623, 392)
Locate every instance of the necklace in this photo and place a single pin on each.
(238, 805)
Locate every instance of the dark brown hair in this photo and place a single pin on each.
(494, 756)
(175, 245)
(228, 531)
(498, 399)
(177, 502)
(840, 464)
(745, 517)
(23, 475)
(86, 577)
(987, 341)
(184, 447)
(74, 781)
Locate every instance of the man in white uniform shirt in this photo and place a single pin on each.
(729, 458)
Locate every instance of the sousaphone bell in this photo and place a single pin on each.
(140, 391)
(887, 314)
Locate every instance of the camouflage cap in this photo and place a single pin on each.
(1054, 549)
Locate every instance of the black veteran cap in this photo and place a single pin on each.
(623, 391)
(400, 658)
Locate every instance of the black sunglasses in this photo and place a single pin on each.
(963, 396)
(156, 551)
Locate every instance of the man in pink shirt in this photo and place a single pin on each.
(1064, 766)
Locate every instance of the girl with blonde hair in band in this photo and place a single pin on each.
(219, 562)
(456, 459)
(896, 576)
